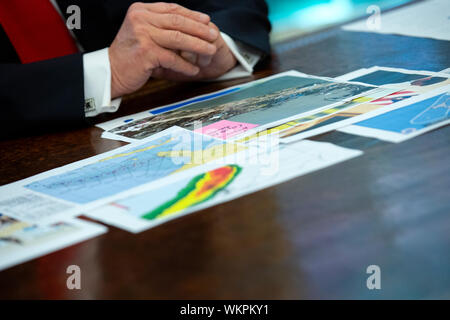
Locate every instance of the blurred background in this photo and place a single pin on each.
(291, 18)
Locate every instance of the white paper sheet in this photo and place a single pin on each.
(405, 84)
(407, 119)
(21, 241)
(426, 19)
(64, 192)
(270, 166)
(281, 105)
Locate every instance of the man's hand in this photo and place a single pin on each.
(148, 39)
(211, 66)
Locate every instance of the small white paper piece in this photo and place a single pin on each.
(21, 241)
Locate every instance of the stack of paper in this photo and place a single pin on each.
(214, 148)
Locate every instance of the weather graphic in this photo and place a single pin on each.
(412, 117)
(438, 111)
(200, 189)
(148, 162)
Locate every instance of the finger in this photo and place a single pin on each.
(177, 40)
(173, 21)
(170, 60)
(162, 7)
(213, 25)
(189, 56)
(204, 61)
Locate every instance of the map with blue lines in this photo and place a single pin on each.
(142, 164)
(412, 117)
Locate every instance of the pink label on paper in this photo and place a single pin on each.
(225, 129)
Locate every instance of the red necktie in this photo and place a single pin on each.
(35, 29)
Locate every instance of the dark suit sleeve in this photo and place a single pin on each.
(38, 96)
(100, 21)
(243, 20)
(46, 95)
(49, 95)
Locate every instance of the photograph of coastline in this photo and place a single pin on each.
(260, 104)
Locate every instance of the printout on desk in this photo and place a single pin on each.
(408, 118)
(21, 241)
(214, 184)
(64, 192)
(254, 107)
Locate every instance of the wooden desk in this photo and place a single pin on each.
(311, 237)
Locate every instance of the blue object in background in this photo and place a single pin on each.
(291, 18)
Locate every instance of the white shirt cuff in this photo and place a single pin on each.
(97, 84)
(97, 75)
(245, 55)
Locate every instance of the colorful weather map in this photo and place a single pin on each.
(152, 160)
(200, 189)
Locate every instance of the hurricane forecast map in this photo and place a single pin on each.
(122, 171)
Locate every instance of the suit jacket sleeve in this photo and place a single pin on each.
(42, 95)
(243, 20)
(49, 95)
(45, 95)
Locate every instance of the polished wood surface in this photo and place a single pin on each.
(311, 237)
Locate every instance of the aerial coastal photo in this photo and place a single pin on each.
(259, 104)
